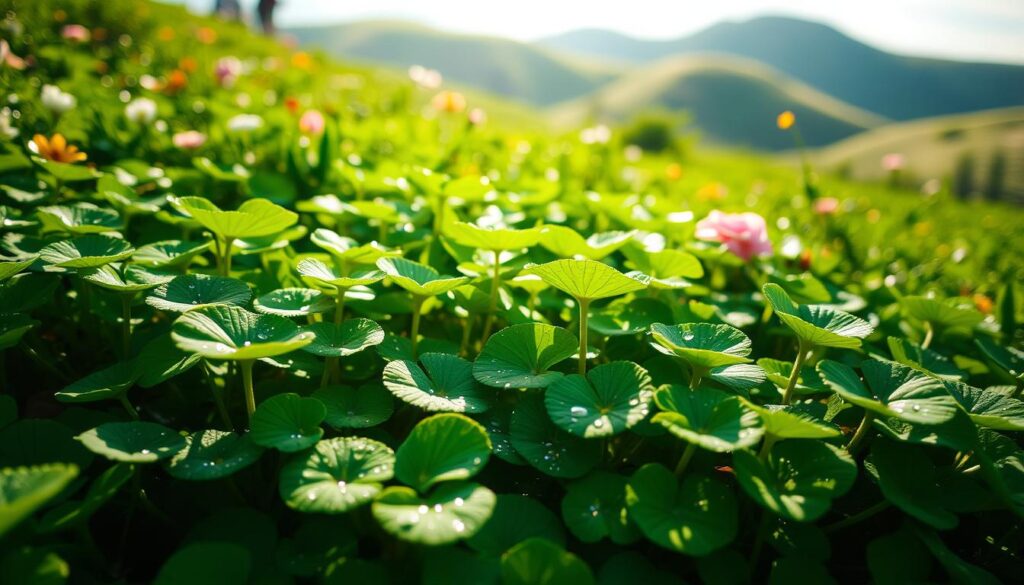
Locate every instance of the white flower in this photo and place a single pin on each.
(6, 130)
(597, 135)
(56, 100)
(245, 123)
(425, 78)
(141, 110)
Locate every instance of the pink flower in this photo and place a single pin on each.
(826, 206)
(477, 117)
(744, 234)
(311, 122)
(227, 70)
(75, 32)
(7, 57)
(893, 161)
(189, 140)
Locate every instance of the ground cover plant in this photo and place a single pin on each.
(267, 319)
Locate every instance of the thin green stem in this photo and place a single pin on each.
(339, 307)
(863, 429)
(584, 315)
(467, 330)
(123, 398)
(417, 306)
(766, 446)
(798, 363)
(858, 517)
(492, 305)
(250, 396)
(696, 374)
(929, 332)
(126, 326)
(227, 256)
(691, 450)
(762, 531)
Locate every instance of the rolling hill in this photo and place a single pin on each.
(731, 101)
(509, 68)
(890, 85)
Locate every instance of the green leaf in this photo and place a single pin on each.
(169, 253)
(629, 317)
(898, 558)
(491, 238)
(588, 279)
(350, 408)
(231, 333)
(451, 512)
(521, 356)
(669, 269)
(702, 345)
(942, 313)
(76, 513)
(213, 454)
(817, 325)
(924, 359)
(538, 561)
(293, 302)
(125, 279)
(419, 279)
(910, 481)
(207, 563)
(808, 382)
(547, 447)
(515, 519)
(110, 382)
(9, 268)
(86, 252)
(133, 442)
(445, 383)
(288, 422)
(349, 250)
(337, 475)
(958, 433)
(958, 569)
(161, 360)
(707, 417)
(13, 328)
(802, 288)
(594, 508)
(193, 291)
(892, 390)
(317, 273)
(352, 336)
(799, 480)
(988, 408)
(1008, 359)
(612, 398)
(566, 242)
(442, 447)
(695, 518)
(795, 421)
(80, 219)
(23, 490)
(254, 218)
(33, 565)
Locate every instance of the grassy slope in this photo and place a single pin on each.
(512, 69)
(732, 101)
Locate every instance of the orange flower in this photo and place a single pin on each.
(206, 35)
(57, 149)
(176, 81)
(302, 60)
(292, 104)
(674, 172)
(983, 303)
(785, 120)
(452, 102)
(165, 34)
(188, 64)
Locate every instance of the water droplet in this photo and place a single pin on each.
(459, 501)
(458, 525)
(247, 343)
(598, 423)
(438, 508)
(220, 348)
(423, 509)
(594, 510)
(578, 411)
(145, 451)
(311, 496)
(477, 461)
(342, 485)
(688, 337)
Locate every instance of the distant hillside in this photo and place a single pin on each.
(891, 85)
(731, 101)
(509, 68)
(932, 148)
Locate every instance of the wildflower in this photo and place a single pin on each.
(312, 122)
(56, 149)
(188, 64)
(176, 81)
(477, 117)
(56, 100)
(75, 32)
(9, 58)
(599, 134)
(6, 130)
(983, 303)
(674, 172)
(302, 60)
(227, 71)
(785, 120)
(292, 104)
(141, 110)
(206, 35)
(893, 162)
(451, 102)
(425, 78)
(826, 206)
(165, 34)
(744, 234)
(245, 123)
(189, 140)
(713, 191)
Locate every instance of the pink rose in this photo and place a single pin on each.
(744, 234)
(311, 122)
(189, 140)
(75, 32)
(227, 70)
(826, 206)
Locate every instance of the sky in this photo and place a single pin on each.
(985, 30)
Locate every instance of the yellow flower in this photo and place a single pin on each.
(674, 172)
(712, 192)
(302, 60)
(785, 120)
(452, 102)
(57, 149)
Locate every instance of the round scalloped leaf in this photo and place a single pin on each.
(924, 359)
(802, 288)
(547, 447)
(193, 291)
(110, 382)
(707, 417)
(213, 454)
(612, 398)
(337, 475)
(13, 328)
(352, 336)
(739, 377)
(491, 238)
(989, 408)
(169, 253)
(89, 251)
(293, 302)
(809, 381)
(497, 422)
(317, 273)
(910, 481)
(442, 447)
(133, 442)
(9, 268)
(695, 518)
(287, 422)
(451, 512)
(595, 508)
(445, 383)
(521, 356)
(125, 279)
(351, 408)
(817, 325)
(161, 360)
(799, 480)
(515, 519)
(944, 313)
(702, 345)
(958, 433)
(232, 333)
(794, 421)
(254, 218)
(419, 279)
(23, 490)
(538, 561)
(669, 269)
(629, 317)
(1009, 359)
(566, 242)
(892, 390)
(349, 250)
(80, 218)
(588, 279)
(206, 563)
